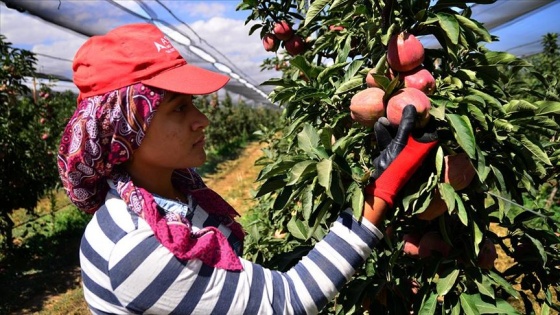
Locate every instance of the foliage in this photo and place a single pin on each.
(323, 160)
(30, 123)
(232, 125)
(41, 264)
(541, 80)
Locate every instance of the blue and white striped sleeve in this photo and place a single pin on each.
(146, 278)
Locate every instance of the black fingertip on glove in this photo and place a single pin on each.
(391, 146)
(428, 133)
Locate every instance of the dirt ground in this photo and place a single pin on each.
(235, 180)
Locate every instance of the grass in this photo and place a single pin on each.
(44, 262)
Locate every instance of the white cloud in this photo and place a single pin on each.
(231, 38)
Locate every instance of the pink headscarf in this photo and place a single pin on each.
(101, 135)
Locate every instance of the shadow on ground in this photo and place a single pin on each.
(42, 267)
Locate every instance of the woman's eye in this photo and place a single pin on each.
(180, 108)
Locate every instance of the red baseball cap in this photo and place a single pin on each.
(138, 53)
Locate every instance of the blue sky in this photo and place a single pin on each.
(219, 24)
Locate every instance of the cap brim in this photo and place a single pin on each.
(188, 79)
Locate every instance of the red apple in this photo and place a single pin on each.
(404, 52)
(411, 244)
(370, 80)
(336, 28)
(367, 106)
(295, 45)
(432, 242)
(406, 96)
(487, 255)
(458, 170)
(420, 79)
(283, 30)
(270, 42)
(436, 208)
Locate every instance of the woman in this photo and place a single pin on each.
(160, 241)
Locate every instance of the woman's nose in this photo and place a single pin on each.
(201, 121)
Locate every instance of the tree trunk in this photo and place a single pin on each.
(6, 226)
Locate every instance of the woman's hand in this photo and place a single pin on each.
(401, 155)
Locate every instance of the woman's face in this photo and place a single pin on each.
(175, 136)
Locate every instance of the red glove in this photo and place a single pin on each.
(402, 163)
(400, 170)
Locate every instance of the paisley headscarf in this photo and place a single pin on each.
(103, 134)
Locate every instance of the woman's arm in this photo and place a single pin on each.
(140, 275)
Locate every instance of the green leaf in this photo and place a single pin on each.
(283, 198)
(485, 286)
(307, 198)
(468, 304)
(270, 185)
(475, 27)
(328, 72)
(338, 3)
(447, 281)
(429, 305)
(477, 114)
(473, 304)
(482, 169)
(535, 150)
(343, 145)
(450, 25)
(439, 162)
(478, 236)
(503, 307)
(500, 58)
(336, 190)
(308, 141)
(547, 107)
(504, 284)
(316, 7)
(324, 173)
(540, 249)
(467, 75)
(463, 132)
(350, 85)
(297, 228)
(302, 64)
(448, 195)
(278, 82)
(254, 28)
(491, 100)
(461, 211)
(519, 106)
(343, 53)
(357, 199)
(353, 68)
(300, 170)
(326, 137)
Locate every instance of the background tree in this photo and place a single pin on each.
(324, 158)
(30, 124)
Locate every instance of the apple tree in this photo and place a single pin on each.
(30, 125)
(476, 198)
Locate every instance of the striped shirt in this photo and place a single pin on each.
(126, 270)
